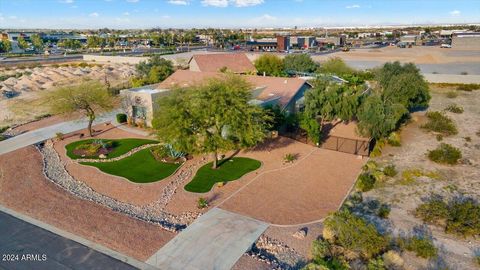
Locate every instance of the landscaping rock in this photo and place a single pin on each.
(300, 234)
(55, 171)
(102, 156)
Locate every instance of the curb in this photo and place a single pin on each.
(97, 247)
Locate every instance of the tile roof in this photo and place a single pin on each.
(235, 62)
(272, 87)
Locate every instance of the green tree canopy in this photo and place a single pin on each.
(71, 44)
(270, 65)
(22, 43)
(95, 42)
(211, 117)
(155, 70)
(37, 42)
(89, 97)
(327, 101)
(336, 66)
(403, 84)
(5, 45)
(299, 63)
(377, 118)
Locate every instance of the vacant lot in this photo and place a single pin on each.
(457, 180)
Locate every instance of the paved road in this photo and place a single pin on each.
(216, 240)
(42, 134)
(46, 250)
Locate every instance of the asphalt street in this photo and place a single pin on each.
(24, 246)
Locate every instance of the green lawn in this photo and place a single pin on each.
(140, 167)
(228, 170)
(122, 146)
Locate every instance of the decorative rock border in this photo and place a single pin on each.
(55, 171)
(129, 153)
(276, 254)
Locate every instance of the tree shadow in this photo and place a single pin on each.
(271, 144)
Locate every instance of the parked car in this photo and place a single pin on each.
(445, 45)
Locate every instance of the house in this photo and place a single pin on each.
(234, 62)
(139, 103)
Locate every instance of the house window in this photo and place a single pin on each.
(139, 112)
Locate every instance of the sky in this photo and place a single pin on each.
(129, 14)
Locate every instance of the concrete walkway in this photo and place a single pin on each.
(216, 240)
(42, 134)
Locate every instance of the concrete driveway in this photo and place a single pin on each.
(216, 240)
(42, 134)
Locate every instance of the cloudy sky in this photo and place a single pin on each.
(231, 13)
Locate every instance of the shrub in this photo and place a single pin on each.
(289, 158)
(376, 264)
(390, 170)
(121, 118)
(365, 182)
(476, 259)
(451, 94)
(202, 203)
(4, 128)
(2, 137)
(383, 211)
(435, 210)
(454, 108)
(59, 136)
(394, 139)
(467, 139)
(439, 137)
(445, 154)
(371, 165)
(459, 216)
(439, 122)
(355, 234)
(377, 150)
(409, 175)
(423, 247)
(464, 218)
(393, 260)
(468, 87)
(321, 249)
(463, 73)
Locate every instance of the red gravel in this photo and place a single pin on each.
(23, 188)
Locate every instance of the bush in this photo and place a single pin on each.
(390, 170)
(434, 211)
(445, 154)
(355, 234)
(59, 136)
(393, 260)
(202, 203)
(468, 87)
(451, 94)
(423, 247)
(377, 150)
(289, 158)
(476, 259)
(383, 211)
(454, 108)
(321, 249)
(439, 122)
(4, 128)
(121, 118)
(394, 139)
(365, 182)
(376, 264)
(459, 216)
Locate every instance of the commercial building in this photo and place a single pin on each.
(469, 41)
(283, 43)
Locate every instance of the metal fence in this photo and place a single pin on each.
(347, 145)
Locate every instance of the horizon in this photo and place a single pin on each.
(234, 14)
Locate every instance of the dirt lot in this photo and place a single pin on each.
(24, 188)
(463, 179)
(417, 55)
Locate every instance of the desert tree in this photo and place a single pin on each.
(88, 97)
(22, 43)
(299, 63)
(211, 117)
(37, 42)
(270, 65)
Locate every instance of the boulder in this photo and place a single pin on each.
(102, 156)
(300, 234)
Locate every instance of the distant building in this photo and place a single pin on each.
(263, 44)
(411, 40)
(283, 43)
(337, 41)
(469, 41)
(306, 42)
(233, 62)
